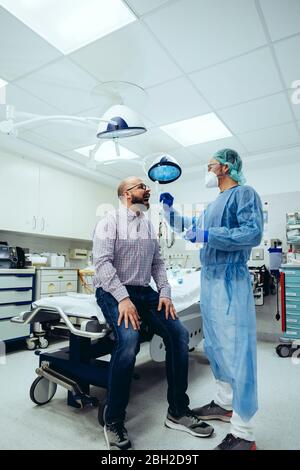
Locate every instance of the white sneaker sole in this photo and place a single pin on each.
(111, 446)
(225, 419)
(180, 427)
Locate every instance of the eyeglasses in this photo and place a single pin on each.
(142, 186)
(210, 165)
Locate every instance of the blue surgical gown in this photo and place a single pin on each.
(235, 225)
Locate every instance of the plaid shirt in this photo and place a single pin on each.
(126, 252)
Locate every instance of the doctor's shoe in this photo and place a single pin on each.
(235, 443)
(213, 411)
(190, 423)
(116, 437)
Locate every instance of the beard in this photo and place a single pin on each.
(140, 203)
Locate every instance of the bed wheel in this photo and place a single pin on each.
(43, 343)
(284, 350)
(30, 343)
(42, 391)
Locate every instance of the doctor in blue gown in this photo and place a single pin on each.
(229, 228)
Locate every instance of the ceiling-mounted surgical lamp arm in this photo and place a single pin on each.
(60, 118)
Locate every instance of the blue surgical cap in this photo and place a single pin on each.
(234, 162)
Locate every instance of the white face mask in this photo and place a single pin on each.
(211, 180)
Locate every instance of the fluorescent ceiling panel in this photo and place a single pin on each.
(107, 152)
(197, 130)
(70, 24)
(2, 83)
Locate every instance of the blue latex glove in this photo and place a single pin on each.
(167, 199)
(196, 235)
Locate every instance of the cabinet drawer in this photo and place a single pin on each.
(51, 287)
(8, 311)
(293, 305)
(9, 330)
(58, 273)
(59, 277)
(14, 296)
(292, 274)
(68, 286)
(292, 291)
(9, 282)
(292, 320)
(292, 332)
(50, 295)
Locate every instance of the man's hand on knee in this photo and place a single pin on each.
(167, 304)
(128, 312)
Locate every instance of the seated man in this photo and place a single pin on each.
(126, 255)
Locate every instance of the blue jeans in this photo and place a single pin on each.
(126, 347)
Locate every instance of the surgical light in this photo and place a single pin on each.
(165, 169)
(120, 121)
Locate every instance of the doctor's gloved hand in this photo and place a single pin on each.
(196, 235)
(167, 199)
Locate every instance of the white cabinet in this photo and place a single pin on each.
(41, 200)
(16, 296)
(85, 202)
(56, 202)
(19, 194)
(55, 282)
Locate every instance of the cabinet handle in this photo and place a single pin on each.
(34, 222)
(43, 224)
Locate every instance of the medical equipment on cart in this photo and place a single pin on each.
(290, 310)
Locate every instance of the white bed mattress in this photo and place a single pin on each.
(184, 294)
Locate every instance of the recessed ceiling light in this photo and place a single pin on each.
(2, 83)
(107, 152)
(197, 130)
(71, 24)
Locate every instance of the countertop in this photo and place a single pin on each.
(30, 270)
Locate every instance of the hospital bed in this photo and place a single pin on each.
(79, 365)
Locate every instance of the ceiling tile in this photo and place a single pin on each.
(129, 54)
(26, 102)
(287, 52)
(152, 141)
(62, 84)
(184, 157)
(282, 18)
(199, 33)
(207, 149)
(122, 170)
(251, 76)
(257, 114)
(174, 101)
(273, 137)
(144, 6)
(21, 50)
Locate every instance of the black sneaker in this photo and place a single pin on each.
(116, 436)
(190, 423)
(213, 411)
(235, 443)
